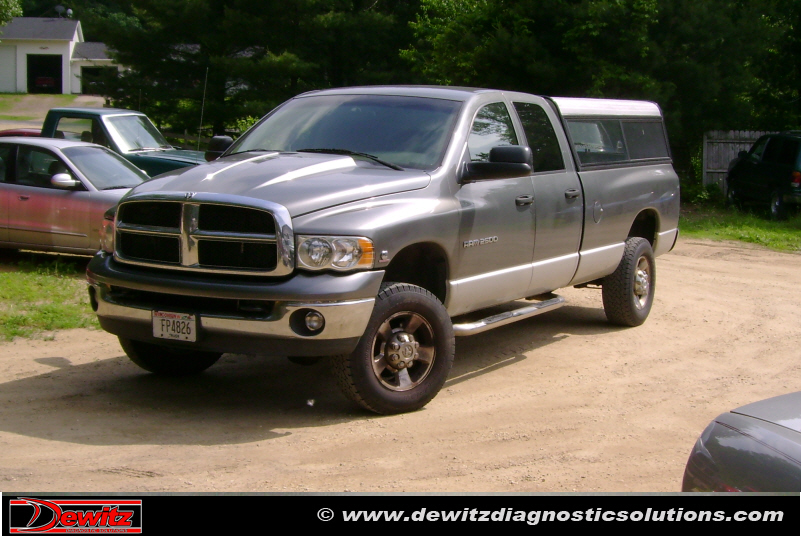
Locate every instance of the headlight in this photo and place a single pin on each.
(334, 253)
(107, 231)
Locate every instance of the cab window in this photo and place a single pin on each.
(540, 136)
(491, 127)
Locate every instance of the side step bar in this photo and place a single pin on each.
(501, 319)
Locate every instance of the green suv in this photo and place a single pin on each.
(769, 174)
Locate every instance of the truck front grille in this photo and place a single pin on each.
(199, 236)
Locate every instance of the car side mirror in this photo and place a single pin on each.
(217, 147)
(742, 154)
(505, 162)
(64, 181)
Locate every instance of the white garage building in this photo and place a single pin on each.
(48, 55)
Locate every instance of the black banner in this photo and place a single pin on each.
(42, 513)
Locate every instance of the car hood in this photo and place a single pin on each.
(301, 182)
(784, 410)
(175, 155)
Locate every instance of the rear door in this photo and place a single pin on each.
(558, 199)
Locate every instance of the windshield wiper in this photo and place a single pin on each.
(348, 152)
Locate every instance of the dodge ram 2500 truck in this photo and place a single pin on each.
(374, 225)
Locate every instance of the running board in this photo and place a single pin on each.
(507, 317)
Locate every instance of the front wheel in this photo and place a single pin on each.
(628, 292)
(404, 356)
(778, 210)
(732, 198)
(166, 360)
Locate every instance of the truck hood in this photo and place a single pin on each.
(301, 182)
(175, 155)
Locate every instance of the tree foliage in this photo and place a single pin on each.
(237, 58)
(8, 10)
(701, 61)
(716, 64)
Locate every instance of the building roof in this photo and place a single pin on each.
(37, 28)
(90, 51)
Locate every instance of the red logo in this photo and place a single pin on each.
(29, 516)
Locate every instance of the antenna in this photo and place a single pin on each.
(59, 9)
(202, 107)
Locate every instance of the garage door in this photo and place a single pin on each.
(8, 69)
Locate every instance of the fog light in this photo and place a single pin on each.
(314, 321)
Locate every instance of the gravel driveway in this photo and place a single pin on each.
(560, 402)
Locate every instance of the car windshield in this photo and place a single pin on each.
(105, 169)
(135, 133)
(410, 132)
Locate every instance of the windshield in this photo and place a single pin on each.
(105, 169)
(134, 133)
(410, 132)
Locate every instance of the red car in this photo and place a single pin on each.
(21, 132)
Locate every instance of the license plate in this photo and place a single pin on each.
(174, 326)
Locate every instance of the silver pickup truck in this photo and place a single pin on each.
(374, 225)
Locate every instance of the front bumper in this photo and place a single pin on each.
(236, 315)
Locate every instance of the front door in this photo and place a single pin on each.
(497, 224)
(39, 213)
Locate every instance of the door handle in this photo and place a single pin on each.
(24, 197)
(523, 200)
(572, 193)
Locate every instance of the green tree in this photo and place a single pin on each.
(696, 59)
(240, 58)
(8, 10)
(778, 99)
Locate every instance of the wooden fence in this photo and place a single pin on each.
(720, 148)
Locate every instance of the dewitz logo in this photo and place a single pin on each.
(26, 516)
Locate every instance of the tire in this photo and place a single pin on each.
(628, 292)
(778, 210)
(168, 361)
(732, 199)
(404, 356)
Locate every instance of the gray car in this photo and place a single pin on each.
(756, 447)
(53, 192)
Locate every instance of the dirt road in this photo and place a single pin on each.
(560, 402)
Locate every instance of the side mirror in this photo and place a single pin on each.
(217, 147)
(505, 162)
(742, 154)
(64, 181)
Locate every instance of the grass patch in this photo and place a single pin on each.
(715, 223)
(9, 100)
(43, 293)
(17, 117)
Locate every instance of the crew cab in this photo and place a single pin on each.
(375, 225)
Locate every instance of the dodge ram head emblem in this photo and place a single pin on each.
(189, 195)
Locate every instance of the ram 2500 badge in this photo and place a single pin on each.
(374, 225)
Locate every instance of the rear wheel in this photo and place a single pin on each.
(168, 361)
(404, 356)
(628, 292)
